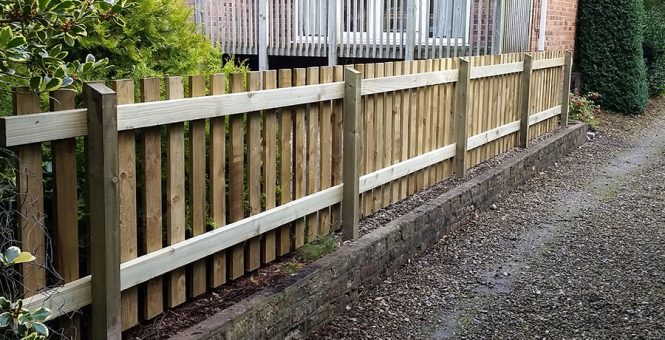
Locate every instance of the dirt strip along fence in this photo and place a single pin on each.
(162, 190)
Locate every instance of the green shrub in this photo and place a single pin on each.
(17, 322)
(654, 48)
(584, 108)
(610, 53)
(159, 39)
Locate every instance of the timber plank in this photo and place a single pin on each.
(337, 128)
(197, 186)
(29, 181)
(325, 147)
(65, 210)
(300, 164)
(236, 265)
(217, 181)
(127, 201)
(268, 242)
(175, 193)
(313, 156)
(286, 163)
(152, 199)
(253, 142)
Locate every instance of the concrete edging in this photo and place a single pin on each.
(297, 305)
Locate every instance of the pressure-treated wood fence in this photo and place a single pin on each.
(192, 187)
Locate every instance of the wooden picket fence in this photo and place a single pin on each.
(192, 187)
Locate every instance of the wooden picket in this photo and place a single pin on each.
(175, 192)
(253, 178)
(236, 265)
(313, 140)
(218, 181)
(270, 151)
(197, 186)
(300, 154)
(128, 209)
(152, 198)
(65, 207)
(29, 180)
(337, 114)
(325, 147)
(286, 148)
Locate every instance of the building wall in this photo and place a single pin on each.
(560, 25)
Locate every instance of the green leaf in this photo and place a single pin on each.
(43, 4)
(63, 6)
(79, 30)
(119, 21)
(11, 254)
(23, 317)
(53, 84)
(40, 328)
(35, 83)
(69, 40)
(33, 336)
(25, 256)
(87, 67)
(90, 58)
(42, 35)
(60, 72)
(104, 6)
(16, 41)
(41, 314)
(55, 50)
(4, 303)
(5, 319)
(5, 35)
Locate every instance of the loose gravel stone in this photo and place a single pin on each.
(577, 253)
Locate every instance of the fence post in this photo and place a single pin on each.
(567, 72)
(104, 210)
(263, 36)
(332, 32)
(350, 175)
(30, 198)
(525, 106)
(410, 39)
(461, 113)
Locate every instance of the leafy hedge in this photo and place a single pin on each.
(610, 51)
(159, 39)
(654, 48)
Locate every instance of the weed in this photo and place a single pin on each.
(319, 248)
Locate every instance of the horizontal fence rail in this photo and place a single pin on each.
(235, 180)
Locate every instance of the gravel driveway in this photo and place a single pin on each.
(576, 253)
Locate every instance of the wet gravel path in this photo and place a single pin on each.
(576, 253)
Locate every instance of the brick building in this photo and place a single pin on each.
(559, 21)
